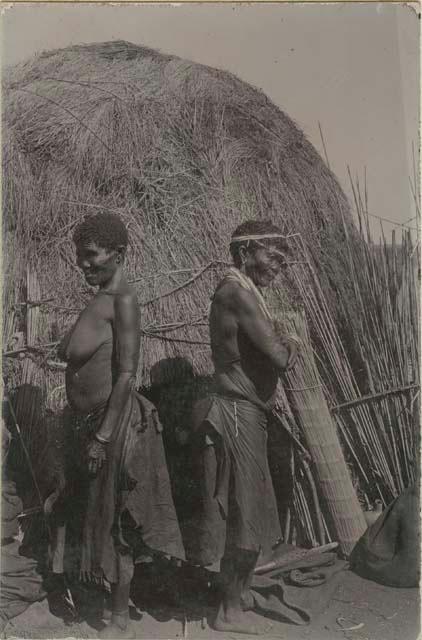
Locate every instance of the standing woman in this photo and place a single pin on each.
(117, 486)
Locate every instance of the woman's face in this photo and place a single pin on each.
(263, 264)
(97, 263)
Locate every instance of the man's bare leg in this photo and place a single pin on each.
(237, 572)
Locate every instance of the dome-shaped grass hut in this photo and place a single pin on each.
(183, 153)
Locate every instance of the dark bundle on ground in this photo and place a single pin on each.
(183, 153)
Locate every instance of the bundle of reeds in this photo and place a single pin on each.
(26, 408)
(304, 522)
(304, 390)
(376, 408)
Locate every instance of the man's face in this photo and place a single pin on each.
(263, 264)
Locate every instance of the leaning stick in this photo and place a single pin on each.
(287, 558)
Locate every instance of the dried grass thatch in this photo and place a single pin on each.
(183, 153)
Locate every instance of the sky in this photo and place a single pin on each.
(352, 68)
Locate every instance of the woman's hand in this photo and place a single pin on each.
(149, 412)
(97, 454)
(289, 341)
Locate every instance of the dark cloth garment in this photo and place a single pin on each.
(20, 582)
(299, 592)
(131, 492)
(238, 502)
(389, 550)
(234, 383)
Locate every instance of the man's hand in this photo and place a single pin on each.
(97, 454)
(149, 412)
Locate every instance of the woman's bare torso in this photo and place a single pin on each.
(88, 350)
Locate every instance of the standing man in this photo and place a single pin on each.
(239, 512)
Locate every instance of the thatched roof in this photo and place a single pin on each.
(183, 152)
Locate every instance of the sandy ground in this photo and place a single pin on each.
(376, 613)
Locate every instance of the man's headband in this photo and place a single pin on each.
(263, 236)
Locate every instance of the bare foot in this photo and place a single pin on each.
(134, 613)
(239, 622)
(247, 601)
(106, 614)
(113, 631)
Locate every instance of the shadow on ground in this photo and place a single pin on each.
(178, 602)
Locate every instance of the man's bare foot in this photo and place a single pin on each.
(239, 622)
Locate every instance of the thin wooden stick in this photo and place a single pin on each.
(373, 397)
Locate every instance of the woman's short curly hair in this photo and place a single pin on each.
(252, 228)
(107, 230)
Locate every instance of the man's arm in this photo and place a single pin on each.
(244, 306)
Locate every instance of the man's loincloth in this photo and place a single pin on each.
(239, 508)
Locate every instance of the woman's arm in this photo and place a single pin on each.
(126, 347)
